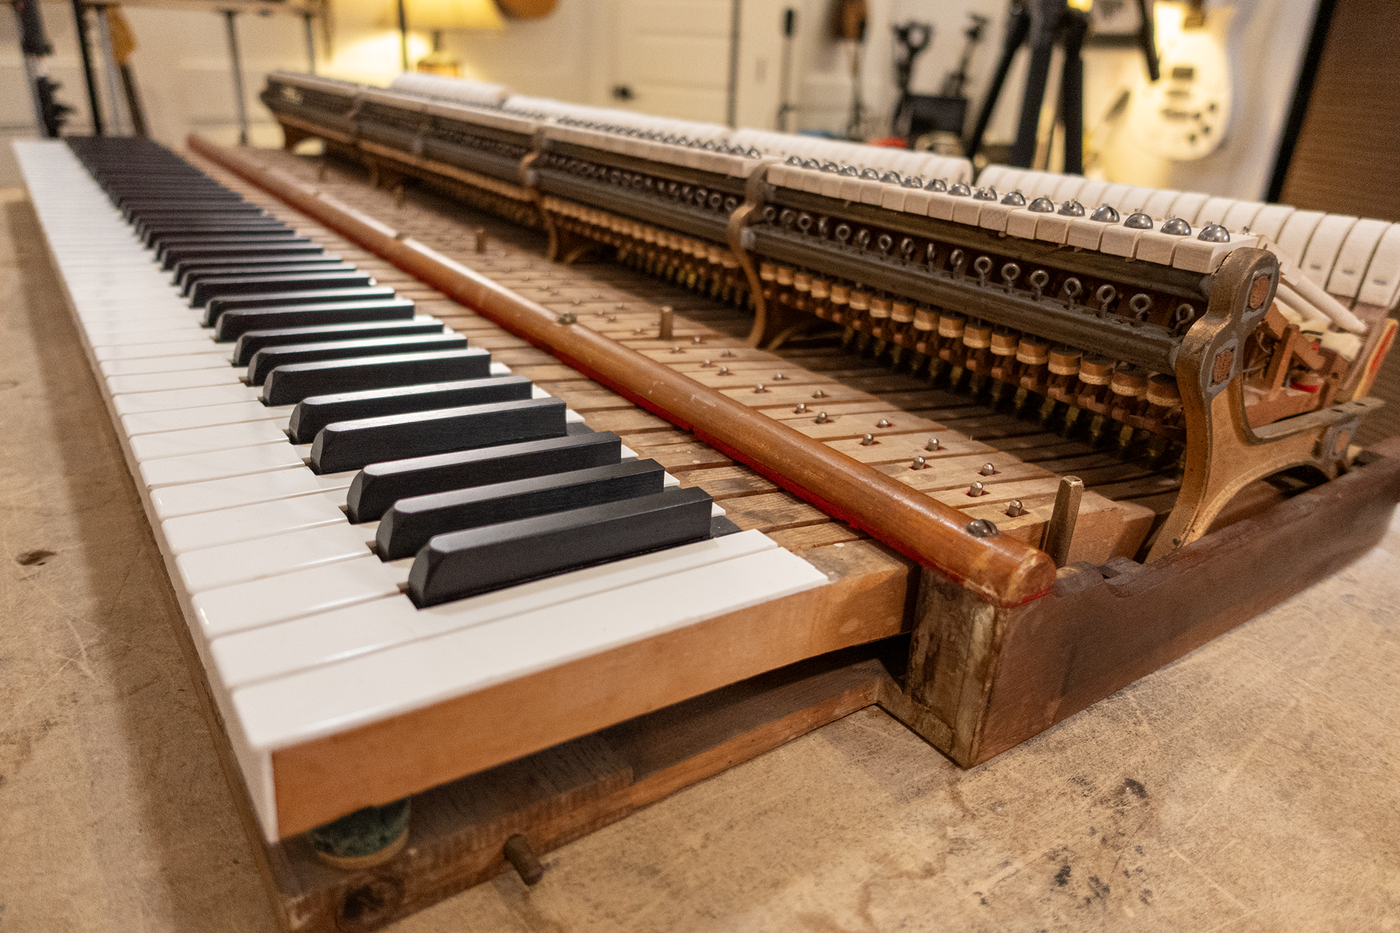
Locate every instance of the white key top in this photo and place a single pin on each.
(206, 416)
(150, 351)
(280, 598)
(307, 640)
(165, 364)
(1187, 206)
(1068, 189)
(268, 557)
(1194, 255)
(232, 491)
(1354, 258)
(201, 440)
(367, 688)
(1091, 195)
(248, 522)
(165, 382)
(1114, 196)
(1214, 211)
(1158, 205)
(184, 398)
(198, 468)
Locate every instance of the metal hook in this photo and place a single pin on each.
(1038, 279)
(1140, 304)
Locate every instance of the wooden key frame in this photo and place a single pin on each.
(1000, 647)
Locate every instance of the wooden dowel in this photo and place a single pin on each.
(999, 569)
(1059, 531)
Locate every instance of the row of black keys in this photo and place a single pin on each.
(487, 485)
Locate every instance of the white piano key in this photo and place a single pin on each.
(363, 689)
(1324, 245)
(233, 491)
(1001, 177)
(1119, 240)
(967, 210)
(246, 653)
(1242, 214)
(188, 328)
(941, 205)
(197, 468)
(993, 216)
(267, 557)
(1134, 200)
(165, 364)
(1021, 222)
(165, 382)
(286, 596)
(1382, 284)
(184, 398)
(201, 440)
(151, 350)
(892, 197)
(248, 522)
(1349, 269)
(917, 201)
(207, 416)
(1053, 228)
(146, 337)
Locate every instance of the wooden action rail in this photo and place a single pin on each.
(1003, 571)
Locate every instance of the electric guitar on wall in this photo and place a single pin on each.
(1186, 114)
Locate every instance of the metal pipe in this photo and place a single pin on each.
(109, 67)
(236, 64)
(80, 22)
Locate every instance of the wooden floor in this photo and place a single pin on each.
(1251, 786)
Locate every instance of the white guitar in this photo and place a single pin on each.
(1186, 113)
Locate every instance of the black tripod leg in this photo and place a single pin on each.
(1037, 78)
(1072, 91)
(1018, 26)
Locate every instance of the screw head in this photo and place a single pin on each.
(988, 469)
(724, 370)
(819, 394)
(800, 409)
(822, 418)
(868, 440)
(884, 423)
(759, 389)
(977, 489)
(919, 464)
(706, 364)
(981, 528)
(932, 444)
(1015, 509)
(676, 350)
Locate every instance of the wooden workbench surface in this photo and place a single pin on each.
(1254, 785)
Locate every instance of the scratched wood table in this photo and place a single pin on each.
(1250, 786)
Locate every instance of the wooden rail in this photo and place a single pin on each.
(999, 569)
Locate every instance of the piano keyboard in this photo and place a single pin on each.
(311, 625)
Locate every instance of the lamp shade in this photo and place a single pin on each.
(453, 14)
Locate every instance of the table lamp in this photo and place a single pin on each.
(437, 15)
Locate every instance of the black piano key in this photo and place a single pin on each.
(376, 304)
(352, 445)
(269, 358)
(165, 247)
(175, 219)
(314, 413)
(250, 280)
(151, 234)
(188, 272)
(465, 563)
(176, 255)
(277, 250)
(312, 280)
(252, 341)
(412, 522)
(288, 385)
(379, 485)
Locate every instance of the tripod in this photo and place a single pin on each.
(1041, 25)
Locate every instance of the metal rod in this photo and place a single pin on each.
(310, 42)
(80, 22)
(785, 70)
(403, 33)
(236, 64)
(109, 67)
(731, 96)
